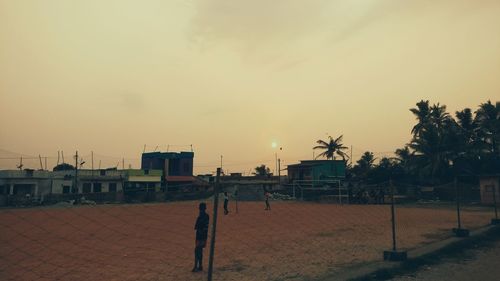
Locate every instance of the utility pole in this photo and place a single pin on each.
(75, 188)
(279, 172)
(92, 160)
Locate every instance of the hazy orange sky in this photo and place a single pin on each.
(232, 76)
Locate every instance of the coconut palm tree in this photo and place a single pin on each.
(331, 147)
(435, 142)
(364, 165)
(488, 122)
(422, 112)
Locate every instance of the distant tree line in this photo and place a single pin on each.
(442, 146)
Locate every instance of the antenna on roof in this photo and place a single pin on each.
(57, 158)
(81, 163)
(155, 148)
(41, 165)
(144, 149)
(191, 147)
(20, 166)
(168, 147)
(62, 154)
(99, 164)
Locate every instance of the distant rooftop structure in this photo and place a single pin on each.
(317, 170)
(173, 164)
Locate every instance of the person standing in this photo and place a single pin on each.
(267, 195)
(226, 202)
(201, 227)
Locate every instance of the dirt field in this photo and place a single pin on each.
(293, 241)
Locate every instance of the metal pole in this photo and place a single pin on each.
(214, 225)
(458, 202)
(276, 162)
(92, 160)
(75, 188)
(40, 158)
(279, 172)
(393, 220)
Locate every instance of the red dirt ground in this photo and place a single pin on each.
(294, 241)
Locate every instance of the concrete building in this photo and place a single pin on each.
(314, 170)
(177, 168)
(108, 185)
(17, 186)
(171, 163)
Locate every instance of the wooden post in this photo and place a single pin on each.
(214, 225)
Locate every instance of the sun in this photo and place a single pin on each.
(274, 144)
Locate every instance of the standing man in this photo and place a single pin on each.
(226, 201)
(201, 228)
(267, 195)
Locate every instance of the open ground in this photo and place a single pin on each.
(293, 241)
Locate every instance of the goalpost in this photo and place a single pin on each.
(335, 186)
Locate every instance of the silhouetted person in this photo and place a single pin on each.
(201, 228)
(267, 195)
(226, 202)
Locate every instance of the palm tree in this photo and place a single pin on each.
(422, 112)
(488, 122)
(467, 134)
(434, 143)
(364, 165)
(332, 147)
(404, 156)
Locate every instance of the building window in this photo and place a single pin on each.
(112, 187)
(87, 187)
(146, 172)
(97, 187)
(66, 189)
